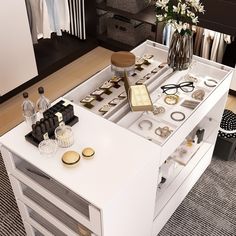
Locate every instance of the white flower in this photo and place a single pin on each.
(183, 8)
(160, 17)
(176, 9)
(195, 20)
(162, 3)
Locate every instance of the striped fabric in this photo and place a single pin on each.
(10, 220)
(77, 18)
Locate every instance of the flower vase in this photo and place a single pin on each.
(180, 53)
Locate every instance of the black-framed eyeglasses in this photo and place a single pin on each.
(171, 89)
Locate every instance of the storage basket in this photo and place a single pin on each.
(102, 17)
(130, 32)
(131, 6)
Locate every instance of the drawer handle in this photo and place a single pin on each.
(38, 173)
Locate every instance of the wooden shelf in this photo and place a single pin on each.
(112, 44)
(147, 15)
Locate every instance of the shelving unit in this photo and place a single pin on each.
(117, 192)
(146, 16)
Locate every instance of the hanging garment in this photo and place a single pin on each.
(207, 42)
(63, 12)
(215, 46)
(29, 13)
(53, 13)
(40, 20)
(224, 40)
(77, 18)
(198, 41)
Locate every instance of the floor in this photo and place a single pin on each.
(62, 81)
(55, 85)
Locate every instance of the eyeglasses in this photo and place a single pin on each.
(171, 89)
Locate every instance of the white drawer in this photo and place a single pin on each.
(56, 194)
(43, 215)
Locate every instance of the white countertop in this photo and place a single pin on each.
(119, 156)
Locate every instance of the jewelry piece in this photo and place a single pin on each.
(163, 64)
(97, 92)
(148, 122)
(213, 84)
(105, 108)
(198, 94)
(177, 116)
(155, 70)
(171, 99)
(147, 56)
(163, 132)
(190, 104)
(147, 76)
(106, 85)
(139, 61)
(115, 79)
(141, 81)
(88, 99)
(157, 110)
(114, 102)
(190, 78)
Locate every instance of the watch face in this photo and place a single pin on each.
(114, 102)
(106, 85)
(105, 108)
(115, 79)
(147, 56)
(87, 99)
(97, 92)
(139, 61)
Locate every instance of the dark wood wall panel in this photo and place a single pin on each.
(220, 16)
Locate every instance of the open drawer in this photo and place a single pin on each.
(54, 193)
(41, 213)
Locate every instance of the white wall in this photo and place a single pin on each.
(17, 60)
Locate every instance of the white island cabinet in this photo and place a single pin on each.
(118, 192)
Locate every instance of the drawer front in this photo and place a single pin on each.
(45, 216)
(55, 193)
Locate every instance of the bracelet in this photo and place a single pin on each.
(163, 132)
(177, 118)
(171, 99)
(210, 85)
(140, 125)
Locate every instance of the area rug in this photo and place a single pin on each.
(208, 210)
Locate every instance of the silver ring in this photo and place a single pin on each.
(163, 132)
(143, 122)
(210, 85)
(172, 115)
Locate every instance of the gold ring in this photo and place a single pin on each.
(171, 99)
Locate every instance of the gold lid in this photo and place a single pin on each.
(88, 153)
(70, 158)
(123, 59)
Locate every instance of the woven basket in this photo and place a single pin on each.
(132, 6)
(131, 33)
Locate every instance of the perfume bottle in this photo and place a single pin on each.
(43, 103)
(28, 110)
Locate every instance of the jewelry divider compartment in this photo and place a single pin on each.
(152, 129)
